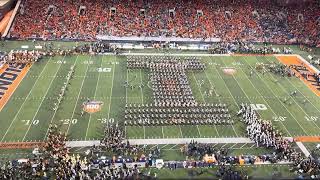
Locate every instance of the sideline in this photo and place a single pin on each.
(240, 140)
(303, 149)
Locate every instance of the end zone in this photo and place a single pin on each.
(295, 60)
(10, 78)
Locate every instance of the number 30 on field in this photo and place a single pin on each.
(105, 120)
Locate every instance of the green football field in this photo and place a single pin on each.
(27, 115)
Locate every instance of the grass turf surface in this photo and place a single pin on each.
(27, 115)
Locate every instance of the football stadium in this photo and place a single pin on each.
(171, 89)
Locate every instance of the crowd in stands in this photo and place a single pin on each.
(15, 57)
(114, 141)
(52, 161)
(229, 20)
(96, 47)
(241, 47)
(227, 173)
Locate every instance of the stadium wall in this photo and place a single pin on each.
(6, 7)
(17, 5)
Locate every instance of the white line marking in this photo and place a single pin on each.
(75, 106)
(219, 100)
(199, 131)
(95, 93)
(217, 72)
(35, 115)
(59, 105)
(244, 145)
(180, 131)
(144, 128)
(199, 87)
(114, 69)
(162, 131)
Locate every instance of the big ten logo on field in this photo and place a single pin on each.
(258, 107)
(8, 77)
(92, 106)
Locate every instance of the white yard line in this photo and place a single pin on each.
(232, 146)
(262, 96)
(219, 100)
(303, 149)
(95, 93)
(125, 131)
(203, 101)
(162, 131)
(215, 68)
(75, 106)
(127, 87)
(144, 128)
(164, 146)
(199, 131)
(141, 87)
(173, 146)
(35, 115)
(239, 85)
(25, 100)
(114, 69)
(279, 100)
(244, 145)
(180, 131)
(55, 111)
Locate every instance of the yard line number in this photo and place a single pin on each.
(279, 118)
(87, 62)
(213, 64)
(237, 64)
(311, 118)
(106, 120)
(61, 62)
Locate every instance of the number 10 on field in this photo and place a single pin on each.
(27, 122)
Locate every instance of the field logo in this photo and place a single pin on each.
(92, 106)
(258, 107)
(229, 70)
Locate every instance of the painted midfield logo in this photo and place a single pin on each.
(92, 106)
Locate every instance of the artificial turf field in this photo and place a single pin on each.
(27, 115)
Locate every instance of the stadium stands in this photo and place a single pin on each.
(230, 20)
